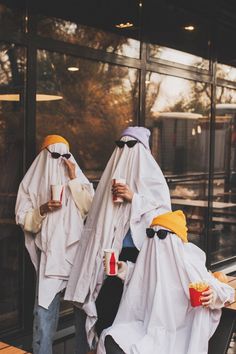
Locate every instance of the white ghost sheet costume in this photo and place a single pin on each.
(155, 315)
(53, 244)
(107, 223)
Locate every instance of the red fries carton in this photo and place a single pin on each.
(195, 292)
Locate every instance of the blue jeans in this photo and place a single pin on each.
(45, 326)
(81, 343)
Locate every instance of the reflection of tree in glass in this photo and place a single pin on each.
(12, 67)
(87, 36)
(152, 93)
(196, 101)
(98, 101)
(12, 75)
(226, 72)
(225, 95)
(190, 96)
(5, 65)
(177, 56)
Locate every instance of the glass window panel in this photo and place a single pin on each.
(224, 187)
(226, 72)
(12, 85)
(94, 104)
(177, 112)
(176, 56)
(11, 19)
(88, 36)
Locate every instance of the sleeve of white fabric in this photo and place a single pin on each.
(82, 195)
(122, 270)
(143, 203)
(33, 221)
(139, 206)
(219, 302)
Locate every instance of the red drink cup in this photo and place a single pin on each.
(57, 192)
(111, 259)
(195, 292)
(114, 197)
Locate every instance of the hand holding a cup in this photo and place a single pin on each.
(122, 191)
(122, 269)
(70, 168)
(50, 206)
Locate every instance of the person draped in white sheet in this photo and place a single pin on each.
(52, 229)
(112, 225)
(155, 313)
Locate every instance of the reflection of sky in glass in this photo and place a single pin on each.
(130, 49)
(180, 88)
(178, 57)
(226, 96)
(169, 91)
(226, 72)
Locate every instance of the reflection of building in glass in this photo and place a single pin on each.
(227, 113)
(179, 140)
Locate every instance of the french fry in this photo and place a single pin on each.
(200, 286)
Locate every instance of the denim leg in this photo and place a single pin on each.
(81, 343)
(112, 347)
(45, 326)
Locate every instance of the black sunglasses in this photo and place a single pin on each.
(160, 233)
(129, 143)
(56, 155)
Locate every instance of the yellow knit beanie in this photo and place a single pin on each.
(53, 139)
(174, 221)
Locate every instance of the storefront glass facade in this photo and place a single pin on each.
(187, 100)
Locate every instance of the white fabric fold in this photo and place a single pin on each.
(60, 231)
(33, 221)
(107, 223)
(82, 195)
(155, 309)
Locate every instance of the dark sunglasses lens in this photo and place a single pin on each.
(55, 155)
(67, 156)
(162, 234)
(131, 143)
(150, 232)
(120, 143)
